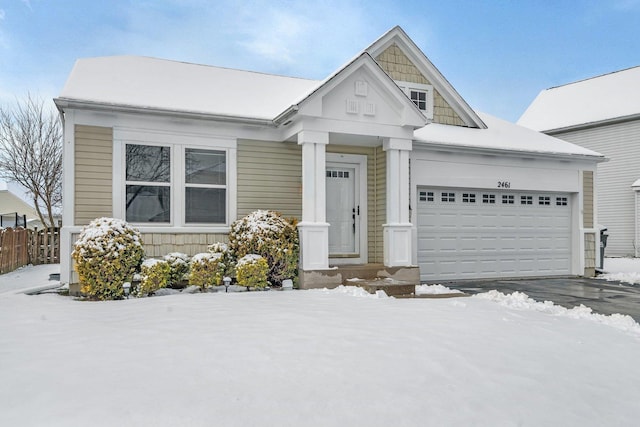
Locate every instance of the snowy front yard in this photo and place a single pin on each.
(313, 358)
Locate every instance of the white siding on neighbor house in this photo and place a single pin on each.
(620, 143)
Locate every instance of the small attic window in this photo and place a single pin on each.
(419, 94)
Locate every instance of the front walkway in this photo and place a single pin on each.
(31, 278)
(604, 297)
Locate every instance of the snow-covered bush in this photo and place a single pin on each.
(107, 254)
(155, 275)
(251, 271)
(205, 270)
(226, 261)
(268, 234)
(178, 265)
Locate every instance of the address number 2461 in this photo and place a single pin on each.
(504, 184)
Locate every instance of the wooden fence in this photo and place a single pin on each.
(21, 246)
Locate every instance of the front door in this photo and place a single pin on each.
(344, 208)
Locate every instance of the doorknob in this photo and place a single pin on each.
(354, 219)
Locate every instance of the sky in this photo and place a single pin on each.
(497, 54)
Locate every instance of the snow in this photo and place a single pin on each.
(626, 270)
(592, 100)
(312, 358)
(435, 290)
(499, 135)
(152, 83)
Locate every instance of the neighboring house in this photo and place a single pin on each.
(602, 114)
(383, 163)
(13, 207)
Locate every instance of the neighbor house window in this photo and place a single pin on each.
(148, 183)
(205, 186)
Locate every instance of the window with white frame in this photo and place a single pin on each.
(148, 183)
(194, 178)
(421, 95)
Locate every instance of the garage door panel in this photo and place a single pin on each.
(520, 237)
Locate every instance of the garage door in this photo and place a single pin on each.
(468, 234)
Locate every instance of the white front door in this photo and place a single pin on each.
(344, 182)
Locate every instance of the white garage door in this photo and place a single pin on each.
(468, 234)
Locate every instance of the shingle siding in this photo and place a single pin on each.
(395, 63)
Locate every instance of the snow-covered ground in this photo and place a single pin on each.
(313, 358)
(625, 270)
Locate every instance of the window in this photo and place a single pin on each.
(148, 183)
(508, 199)
(526, 200)
(419, 94)
(544, 200)
(194, 179)
(205, 186)
(561, 201)
(489, 198)
(426, 196)
(448, 197)
(468, 198)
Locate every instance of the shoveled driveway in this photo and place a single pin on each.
(602, 296)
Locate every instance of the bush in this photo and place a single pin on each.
(206, 270)
(178, 267)
(252, 271)
(268, 234)
(107, 254)
(226, 261)
(155, 275)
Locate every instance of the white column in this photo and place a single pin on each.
(314, 229)
(68, 197)
(398, 229)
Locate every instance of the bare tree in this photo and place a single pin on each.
(31, 153)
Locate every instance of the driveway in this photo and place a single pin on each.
(602, 296)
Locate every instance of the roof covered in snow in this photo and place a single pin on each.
(500, 135)
(597, 99)
(151, 83)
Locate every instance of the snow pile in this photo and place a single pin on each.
(354, 291)
(626, 270)
(435, 290)
(522, 301)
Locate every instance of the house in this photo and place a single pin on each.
(602, 114)
(14, 210)
(383, 162)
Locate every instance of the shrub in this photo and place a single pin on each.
(178, 267)
(226, 261)
(268, 234)
(205, 270)
(155, 275)
(252, 271)
(107, 254)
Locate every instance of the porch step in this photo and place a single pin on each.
(393, 288)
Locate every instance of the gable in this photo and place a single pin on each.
(400, 68)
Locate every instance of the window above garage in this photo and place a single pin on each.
(419, 94)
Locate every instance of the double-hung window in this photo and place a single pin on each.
(168, 183)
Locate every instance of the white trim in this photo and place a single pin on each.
(407, 87)
(177, 142)
(360, 161)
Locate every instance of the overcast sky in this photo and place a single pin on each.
(497, 54)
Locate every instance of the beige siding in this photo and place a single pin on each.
(159, 244)
(93, 167)
(587, 191)
(269, 177)
(376, 188)
(615, 197)
(395, 63)
(589, 254)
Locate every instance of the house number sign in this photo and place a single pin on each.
(504, 184)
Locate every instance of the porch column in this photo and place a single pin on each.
(397, 230)
(313, 229)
